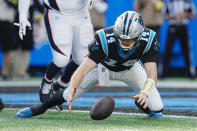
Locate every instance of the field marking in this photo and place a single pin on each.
(173, 116)
(176, 116)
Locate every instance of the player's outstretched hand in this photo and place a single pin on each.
(22, 27)
(142, 99)
(71, 94)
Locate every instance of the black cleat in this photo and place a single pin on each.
(55, 87)
(59, 107)
(45, 90)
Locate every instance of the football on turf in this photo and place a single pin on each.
(102, 108)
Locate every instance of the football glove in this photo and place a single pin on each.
(90, 4)
(23, 24)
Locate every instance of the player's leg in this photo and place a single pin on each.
(64, 79)
(60, 37)
(68, 71)
(41, 108)
(135, 78)
(90, 80)
(83, 36)
(59, 97)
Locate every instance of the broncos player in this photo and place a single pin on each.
(116, 54)
(70, 31)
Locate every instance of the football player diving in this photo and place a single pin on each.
(127, 52)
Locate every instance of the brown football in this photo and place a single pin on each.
(102, 108)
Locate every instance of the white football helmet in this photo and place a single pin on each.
(129, 25)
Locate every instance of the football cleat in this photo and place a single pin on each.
(55, 87)
(155, 115)
(24, 113)
(59, 107)
(45, 90)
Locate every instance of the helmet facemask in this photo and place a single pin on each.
(131, 41)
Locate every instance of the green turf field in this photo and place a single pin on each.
(81, 121)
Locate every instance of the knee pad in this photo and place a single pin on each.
(156, 107)
(79, 54)
(154, 100)
(60, 60)
(155, 104)
(78, 61)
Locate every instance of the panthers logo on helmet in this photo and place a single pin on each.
(140, 21)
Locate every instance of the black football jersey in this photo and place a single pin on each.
(107, 50)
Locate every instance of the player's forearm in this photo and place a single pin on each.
(23, 7)
(81, 72)
(77, 78)
(151, 70)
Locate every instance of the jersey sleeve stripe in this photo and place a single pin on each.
(150, 40)
(103, 41)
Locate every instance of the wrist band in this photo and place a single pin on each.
(148, 86)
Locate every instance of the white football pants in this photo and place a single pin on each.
(69, 34)
(135, 78)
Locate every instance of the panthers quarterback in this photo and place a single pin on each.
(127, 52)
(69, 30)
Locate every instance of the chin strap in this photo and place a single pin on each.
(124, 47)
(136, 43)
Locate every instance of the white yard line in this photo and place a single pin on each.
(175, 116)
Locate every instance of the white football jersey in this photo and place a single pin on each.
(67, 6)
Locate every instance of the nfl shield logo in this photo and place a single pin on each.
(103, 70)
